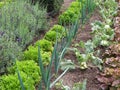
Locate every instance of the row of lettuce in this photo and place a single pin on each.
(28, 67)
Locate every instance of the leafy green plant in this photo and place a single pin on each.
(80, 86)
(75, 4)
(11, 82)
(45, 45)
(102, 33)
(32, 54)
(60, 29)
(52, 36)
(72, 13)
(23, 20)
(89, 54)
(29, 67)
(107, 8)
(68, 17)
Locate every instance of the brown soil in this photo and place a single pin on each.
(90, 74)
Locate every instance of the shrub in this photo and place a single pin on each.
(9, 50)
(52, 36)
(32, 53)
(23, 19)
(45, 45)
(29, 67)
(11, 82)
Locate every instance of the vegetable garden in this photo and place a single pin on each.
(59, 45)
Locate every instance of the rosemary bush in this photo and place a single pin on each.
(8, 51)
(23, 19)
(19, 23)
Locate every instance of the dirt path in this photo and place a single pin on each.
(66, 4)
(78, 75)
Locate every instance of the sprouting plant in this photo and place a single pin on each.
(80, 86)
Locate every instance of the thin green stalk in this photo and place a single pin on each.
(84, 84)
(42, 67)
(20, 79)
(58, 78)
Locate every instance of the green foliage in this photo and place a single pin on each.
(60, 85)
(107, 8)
(58, 28)
(89, 54)
(11, 82)
(45, 45)
(80, 86)
(64, 64)
(8, 51)
(29, 67)
(75, 4)
(32, 54)
(23, 20)
(46, 57)
(1, 4)
(4, 2)
(68, 17)
(56, 57)
(52, 36)
(83, 1)
(102, 33)
(71, 14)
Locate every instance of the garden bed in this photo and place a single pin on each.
(75, 54)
